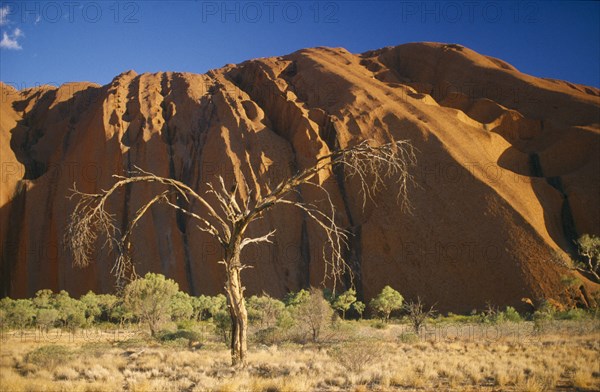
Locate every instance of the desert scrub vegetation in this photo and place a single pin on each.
(301, 343)
(452, 356)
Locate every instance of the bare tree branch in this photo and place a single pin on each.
(374, 167)
(264, 238)
(90, 219)
(418, 314)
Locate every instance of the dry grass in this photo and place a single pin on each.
(379, 360)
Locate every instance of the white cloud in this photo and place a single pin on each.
(4, 15)
(10, 41)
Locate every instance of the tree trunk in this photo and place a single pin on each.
(239, 319)
(592, 269)
(237, 308)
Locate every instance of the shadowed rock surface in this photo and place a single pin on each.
(508, 172)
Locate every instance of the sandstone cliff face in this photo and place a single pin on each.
(508, 171)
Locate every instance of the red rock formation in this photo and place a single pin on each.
(508, 171)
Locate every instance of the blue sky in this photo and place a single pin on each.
(59, 41)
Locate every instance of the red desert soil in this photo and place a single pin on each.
(508, 173)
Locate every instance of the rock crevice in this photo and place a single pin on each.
(507, 172)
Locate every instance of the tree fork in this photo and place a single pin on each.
(229, 211)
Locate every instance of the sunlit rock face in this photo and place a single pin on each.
(507, 175)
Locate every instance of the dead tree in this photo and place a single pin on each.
(227, 213)
(417, 314)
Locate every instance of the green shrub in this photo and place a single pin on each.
(386, 302)
(181, 334)
(182, 308)
(49, 357)
(408, 337)
(95, 349)
(378, 324)
(493, 315)
(359, 307)
(150, 299)
(181, 338)
(91, 304)
(71, 312)
(510, 314)
(571, 314)
(46, 318)
(222, 323)
(205, 307)
(344, 301)
(545, 311)
(460, 318)
(268, 336)
(280, 332)
(286, 320)
(186, 324)
(179, 343)
(264, 311)
(19, 312)
(295, 299)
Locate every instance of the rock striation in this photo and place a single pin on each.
(508, 172)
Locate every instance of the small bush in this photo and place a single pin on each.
(186, 324)
(264, 311)
(150, 299)
(545, 311)
(493, 315)
(188, 335)
(344, 301)
(95, 349)
(460, 318)
(510, 314)
(386, 302)
(571, 314)
(355, 356)
(222, 322)
(378, 324)
(408, 337)
(177, 343)
(49, 357)
(314, 315)
(267, 336)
